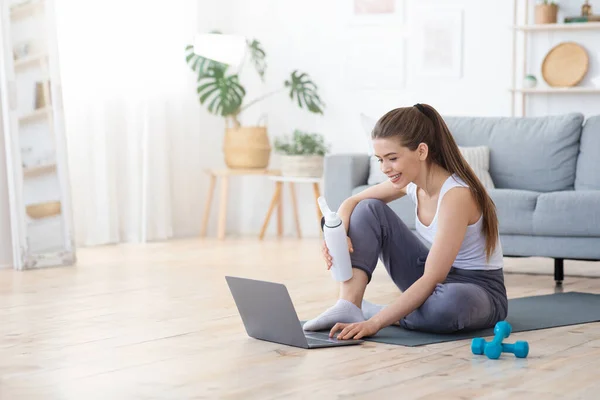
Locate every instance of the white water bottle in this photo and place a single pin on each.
(334, 234)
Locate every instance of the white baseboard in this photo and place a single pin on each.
(6, 266)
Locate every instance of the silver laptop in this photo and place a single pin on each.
(268, 314)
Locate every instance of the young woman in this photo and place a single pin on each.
(455, 284)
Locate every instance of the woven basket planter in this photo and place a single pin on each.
(302, 166)
(247, 147)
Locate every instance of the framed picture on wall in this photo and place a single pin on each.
(373, 7)
(436, 43)
(372, 12)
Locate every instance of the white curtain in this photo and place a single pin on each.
(130, 105)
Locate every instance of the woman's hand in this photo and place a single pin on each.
(354, 331)
(328, 257)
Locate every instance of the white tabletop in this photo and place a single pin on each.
(298, 179)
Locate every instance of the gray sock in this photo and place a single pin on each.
(370, 309)
(342, 311)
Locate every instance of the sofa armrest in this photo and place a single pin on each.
(341, 174)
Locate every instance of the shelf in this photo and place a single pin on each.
(38, 170)
(35, 115)
(547, 90)
(42, 222)
(573, 26)
(29, 60)
(24, 10)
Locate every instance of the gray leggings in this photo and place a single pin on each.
(467, 300)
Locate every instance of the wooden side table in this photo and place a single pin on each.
(224, 174)
(276, 202)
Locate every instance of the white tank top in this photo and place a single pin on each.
(472, 251)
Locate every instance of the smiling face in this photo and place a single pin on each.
(399, 163)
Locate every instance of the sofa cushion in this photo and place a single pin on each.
(478, 158)
(529, 153)
(588, 162)
(515, 210)
(568, 213)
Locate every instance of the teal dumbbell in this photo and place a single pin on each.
(495, 348)
(520, 348)
(492, 349)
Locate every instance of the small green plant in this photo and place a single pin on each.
(302, 143)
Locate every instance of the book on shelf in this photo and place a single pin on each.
(580, 18)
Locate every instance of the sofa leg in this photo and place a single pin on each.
(559, 270)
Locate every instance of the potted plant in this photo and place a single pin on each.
(302, 154)
(224, 95)
(546, 12)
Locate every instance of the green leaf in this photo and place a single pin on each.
(224, 93)
(199, 64)
(257, 56)
(304, 90)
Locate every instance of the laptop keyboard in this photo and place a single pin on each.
(316, 338)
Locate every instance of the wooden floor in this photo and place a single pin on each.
(157, 321)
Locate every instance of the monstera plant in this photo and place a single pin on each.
(224, 95)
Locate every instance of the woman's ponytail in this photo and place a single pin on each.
(451, 158)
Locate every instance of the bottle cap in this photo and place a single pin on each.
(331, 217)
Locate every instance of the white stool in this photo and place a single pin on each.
(276, 201)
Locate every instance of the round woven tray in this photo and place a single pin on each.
(565, 65)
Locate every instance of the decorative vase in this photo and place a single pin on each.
(247, 147)
(302, 166)
(586, 9)
(529, 81)
(546, 13)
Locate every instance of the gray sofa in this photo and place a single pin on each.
(546, 173)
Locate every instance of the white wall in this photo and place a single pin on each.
(317, 37)
(368, 68)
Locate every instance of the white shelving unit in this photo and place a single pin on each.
(573, 26)
(526, 29)
(552, 90)
(33, 125)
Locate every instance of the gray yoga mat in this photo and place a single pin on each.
(524, 314)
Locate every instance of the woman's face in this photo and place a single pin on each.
(399, 163)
